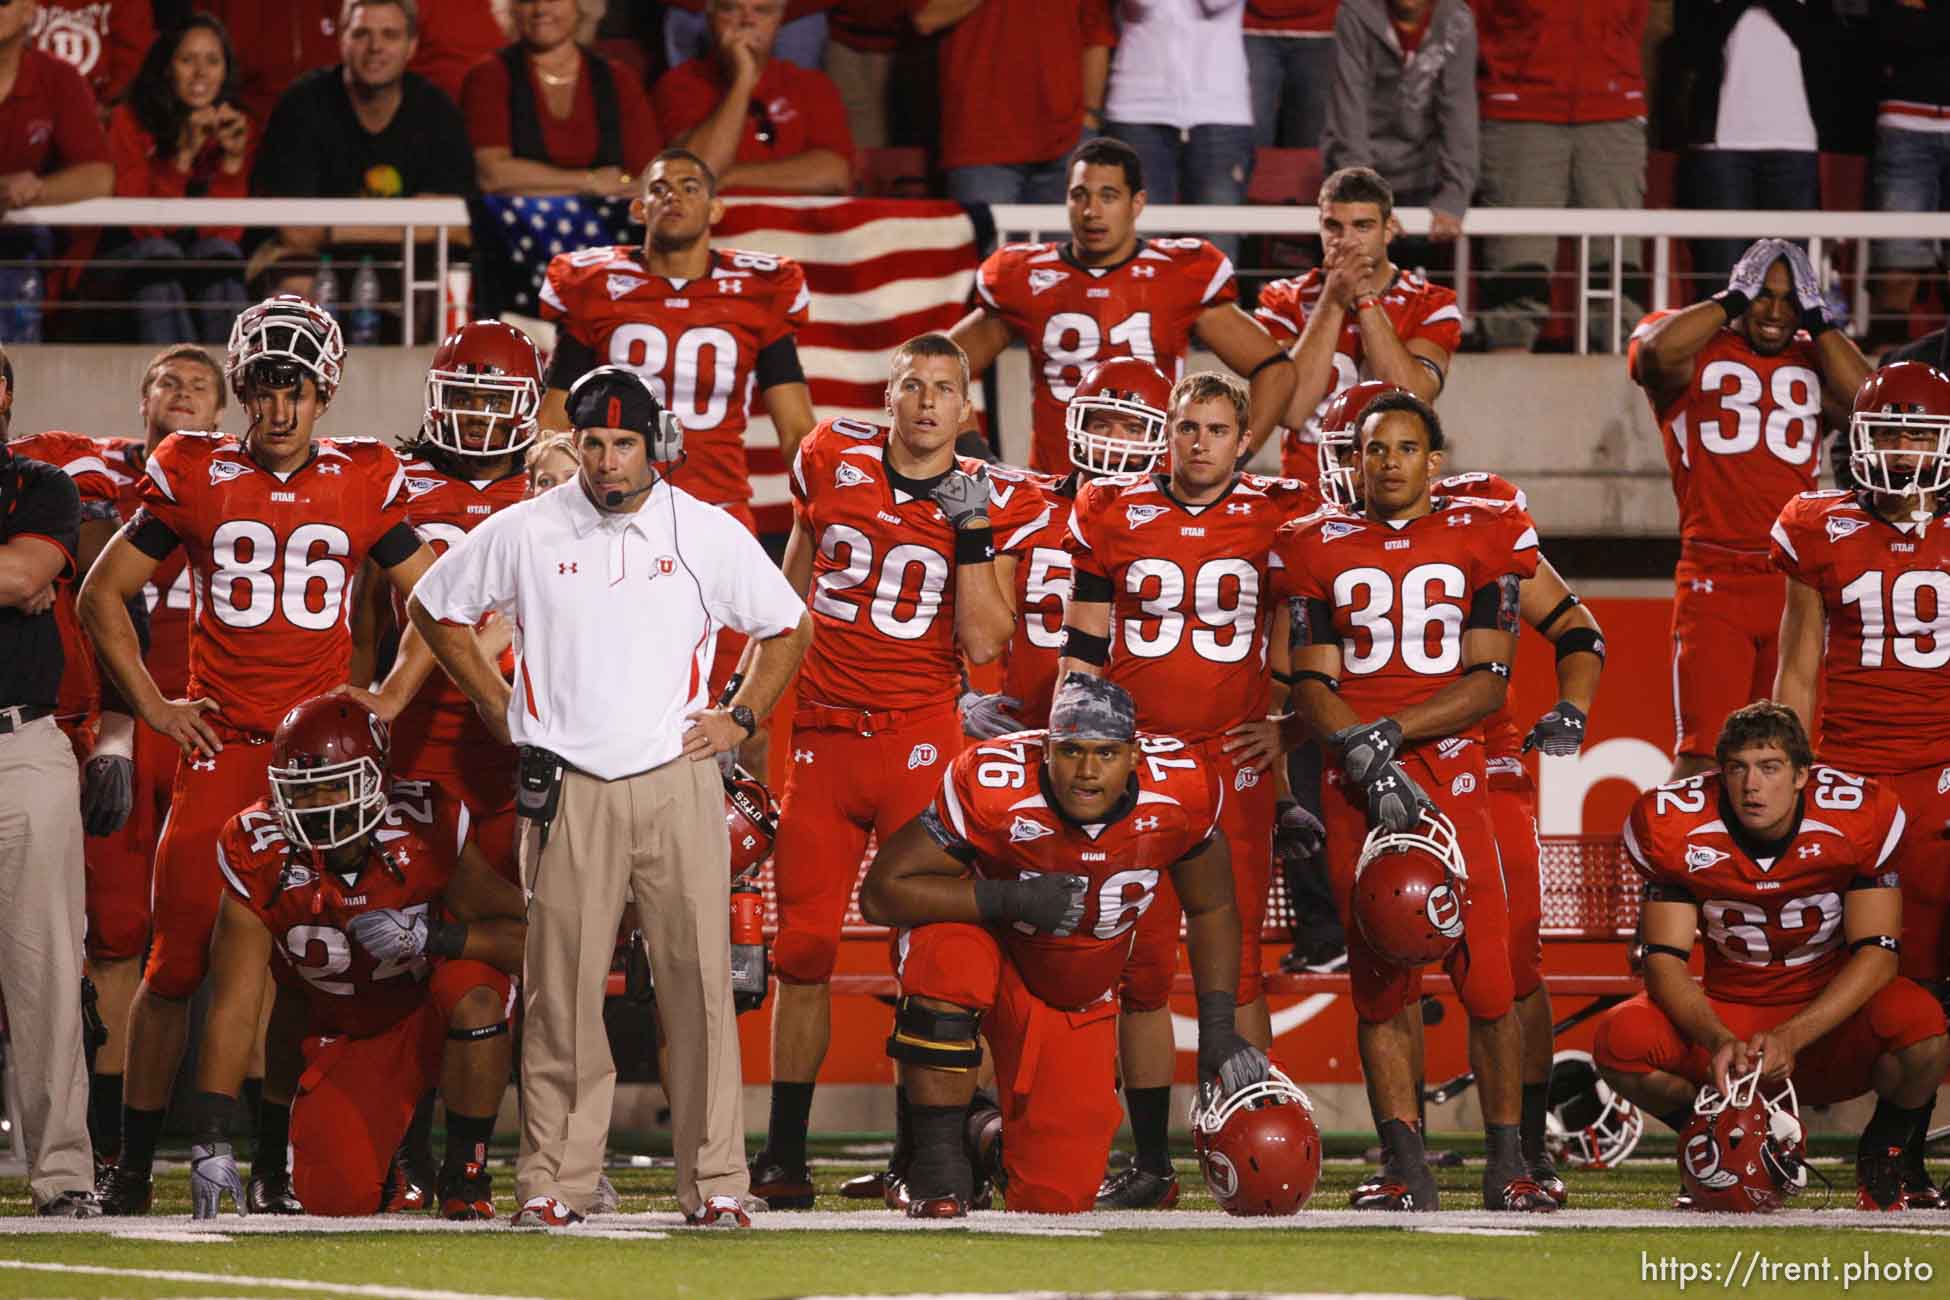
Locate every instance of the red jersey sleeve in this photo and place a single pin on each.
(1205, 266)
(1508, 548)
(563, 286)
(484, 95)
(1794, 544)
(1086, 523)
(1099, 26)
(386, 472)
(793, 300)
(1641, 842)
(241, 851)
(170, 483)
(1015, 506)
(1279, 310)
(1436, 319)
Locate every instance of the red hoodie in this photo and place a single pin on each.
(1568, 61)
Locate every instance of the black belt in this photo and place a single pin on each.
(14, 718)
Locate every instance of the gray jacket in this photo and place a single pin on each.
(1414, 121)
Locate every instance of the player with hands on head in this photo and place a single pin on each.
(1017, 916)
(1403, 624)
(1790, 870)
(1742, 385)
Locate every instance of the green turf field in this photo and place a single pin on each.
(1617, 1244)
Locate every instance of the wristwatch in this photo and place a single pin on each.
(742, 715)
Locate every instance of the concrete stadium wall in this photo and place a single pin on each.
(1573, 431)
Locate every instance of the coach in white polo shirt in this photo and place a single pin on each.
(619, 584)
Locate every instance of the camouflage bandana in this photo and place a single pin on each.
(1090, 708)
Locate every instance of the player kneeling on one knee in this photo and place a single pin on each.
(393, 943)
(1019, 888)
(1789, 868)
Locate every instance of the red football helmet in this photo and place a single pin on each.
(1908, 402)
(1259, 1149)
(1340, 428)
(1127, 388)
(286, 328)
(485, 380)
(328, 771)
(1409, 889)
(1743, 1153)
(752, 819)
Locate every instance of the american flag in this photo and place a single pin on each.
(880, 272)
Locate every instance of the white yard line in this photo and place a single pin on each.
(274, 1283)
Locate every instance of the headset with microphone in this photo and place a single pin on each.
(613, 397)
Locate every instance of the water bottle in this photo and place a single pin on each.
(24, 323)
(362, 321)
(748, 965)
(325, 287)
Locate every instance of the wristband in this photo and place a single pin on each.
(1366, 301)
(1215, 1014)
(211, 1117)
(1816, 323)
(446, 938)
(1087, 646)
(1732, 302)
(974, 545)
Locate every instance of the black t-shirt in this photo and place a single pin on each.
(315, 147)
(1929, 349)
(36, 500)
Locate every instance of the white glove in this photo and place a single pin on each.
(984, 717)
(213, 1171)
(390, 934)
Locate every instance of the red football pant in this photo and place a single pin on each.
(1726, 623)
(208, 792)
(1246, 820)
(1479, 965)
(1923, 860)
(1636, 1037)
(120, 866)
(1055, 1071)
(487, 788)
(357, 1095)
(1513, 812)
(844, 785)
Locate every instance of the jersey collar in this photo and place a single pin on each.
(1162, 482)
(1118, 811)
(1765, 853)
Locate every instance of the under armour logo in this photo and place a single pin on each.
(802, 756)
(203, 763)
(1239, 507)
(1808, 851)
(568, 567)
(1144, 273)
(1146, 824)
(1702, 586)
(731, 286)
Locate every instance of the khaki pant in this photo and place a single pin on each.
(41, 889)
(660, 835)
(862, 77)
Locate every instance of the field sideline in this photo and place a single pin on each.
(1618, 1240)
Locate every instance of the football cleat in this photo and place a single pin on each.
(1138, 1189)
(544, 1212)
(469, 1196)
(80, 1204)
(1398, 1192)
(779, 1187)
(893, 1193)
(1684, 1201)
(937, 1207)
(605, 1200)
(1879, 1180)
(869, 1187)
(1545, 1175)
(270, 1193)
(1921, 1189)
(403, 1194)
(123, 1191)
(719, 1212)
(1522, 1195)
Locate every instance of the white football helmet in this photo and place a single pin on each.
(1588, 1125)
(290, 329)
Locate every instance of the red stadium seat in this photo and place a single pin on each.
(1285, 176)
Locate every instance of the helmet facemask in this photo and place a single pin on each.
(329, 805)
(1340, 468)
(1134, 451)
(500, 410)
(286, 328)
(1880, 462)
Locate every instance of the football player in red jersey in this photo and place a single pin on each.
(1019, 891)
(894, 545)
(1116, 425)
(1790, 869)
(1175, 565)
(394, 946)
(1865, 636)
(274, 526)
(1404, 622)
(1108, 293)
(1737, 383)
(1357, 316)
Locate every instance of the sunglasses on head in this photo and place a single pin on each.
(762, 125)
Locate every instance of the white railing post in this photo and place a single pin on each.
(1617, 293)
(1661, 272)
(1584, 297)
(406, 289)
(440, 269)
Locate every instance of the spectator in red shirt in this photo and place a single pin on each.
(1290, 52)
(454, 36)
(277, 42)
(802, 39)
(104, 40)
(547, 116)
(52, 150)
(759, 123)
(1053, 57)
(182, 135)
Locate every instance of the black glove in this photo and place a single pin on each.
(1223, 1055)
(1395, 801)
(1368, 747)
(1297, 834)
(107, 793)
(962, 494)
(1559, 733)
(1048, 902)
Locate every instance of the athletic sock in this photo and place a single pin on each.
(418, 1142)
(940, 1165)
(1677, 1120)
(251, 1096)
(791, 1117)
(269, 1157)
(467, 1140)
(1536, 1104)
(140, 1129)
(1151, 1128)
(105, 1114)
(1890, 1126)
(903, 1135)
(1503, 1145)
(1401, 1145)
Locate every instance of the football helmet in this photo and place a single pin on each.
(752, 819)
(1744, 1152)
(330, 745)
(1127, 387)
(1409, 890)
(1340, 438)
(290, 329)
(485, 376)
(1910, 399)
(1588, 1125)
(1259, 1149)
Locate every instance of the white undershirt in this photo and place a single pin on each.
(1763, 97)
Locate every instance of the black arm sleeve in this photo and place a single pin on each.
(399, 542)
(1664, 891)
(778, 363)
(1494, 606)
(150, 535)
(941, 833)
(572, 360)
(1088, 588)
(1312, 621)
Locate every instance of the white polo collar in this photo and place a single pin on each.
(585, 519)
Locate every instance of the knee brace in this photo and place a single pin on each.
(945, 1040)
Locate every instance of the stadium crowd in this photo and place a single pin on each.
(305, 712)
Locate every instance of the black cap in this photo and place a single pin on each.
(611, 397)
